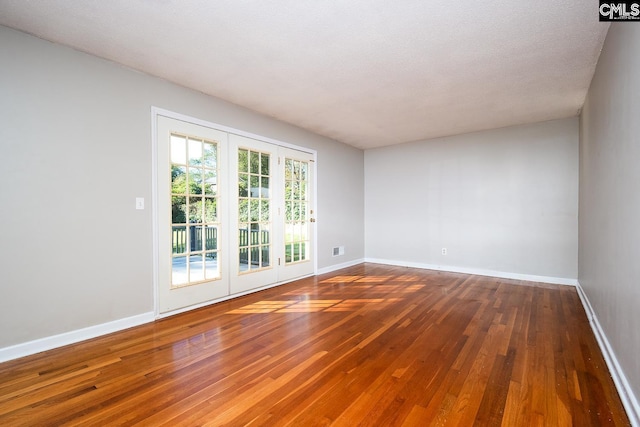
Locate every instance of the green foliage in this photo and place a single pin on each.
(183, 185)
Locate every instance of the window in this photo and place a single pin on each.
(194, 205)
(254, 198)
(296, 211)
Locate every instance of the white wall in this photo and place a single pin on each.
(609, 254)
(500, 201)
(76, 151)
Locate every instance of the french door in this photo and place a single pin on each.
(193, 229)
(297, 214)
(253, 213)
(234, 213)
(271, 207)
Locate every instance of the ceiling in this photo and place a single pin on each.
(368, 73)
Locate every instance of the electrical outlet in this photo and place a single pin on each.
(444, 251)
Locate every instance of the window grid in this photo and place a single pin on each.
(194, 210)
(297, 239)
(254, 221)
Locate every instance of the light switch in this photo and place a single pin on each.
(139, 202)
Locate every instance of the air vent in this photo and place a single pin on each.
(338, 250)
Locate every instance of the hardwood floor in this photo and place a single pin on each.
(368, 345)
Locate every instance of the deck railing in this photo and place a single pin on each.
(249, 242)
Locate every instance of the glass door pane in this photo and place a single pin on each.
(296, 221)
(254, 219)
(194, 215)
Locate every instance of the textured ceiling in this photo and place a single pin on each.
(365, 72)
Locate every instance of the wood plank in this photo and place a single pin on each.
(367, 345)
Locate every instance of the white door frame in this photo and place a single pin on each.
(155, 112)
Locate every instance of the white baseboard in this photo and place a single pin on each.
(629, 400)
(335, 267)
(48, 343)
(479, 272)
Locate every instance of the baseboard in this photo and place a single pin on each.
(335, 267)
(479, 272)
(627, 396)
(72, 337)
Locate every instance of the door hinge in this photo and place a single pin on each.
(278, 261)
(278, 160)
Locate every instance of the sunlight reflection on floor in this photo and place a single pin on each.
(310, 306)
(304, 302)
